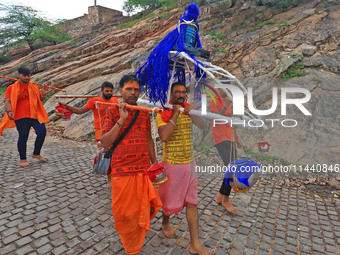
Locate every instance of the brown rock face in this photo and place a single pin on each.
(258, 45)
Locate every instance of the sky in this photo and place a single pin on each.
(64, 9)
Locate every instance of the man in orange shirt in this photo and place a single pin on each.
(106, 96)
(25, 110)
(98, 115)
(225, 140)
(135, 200)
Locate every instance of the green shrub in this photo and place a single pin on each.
(49, 94)
(22, 65)
(295, 55)
(38, 79)
(227, 42)
(317, 80)
(215, 34)
(204, 148)
(220, 49)
(283, 4)
(260, 24)
(128, 24)
(2, 90)
(298, 65)
(295, 71)
(54, 52)
(4, 59)
(283, 24)
(280, 4)
(71, 42)
(167, 15)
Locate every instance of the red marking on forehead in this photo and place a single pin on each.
(131, 84)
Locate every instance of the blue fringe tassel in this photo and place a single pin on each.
(155, 73)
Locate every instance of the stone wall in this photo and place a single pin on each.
(102, 15)
(98, 16)
(76, 27)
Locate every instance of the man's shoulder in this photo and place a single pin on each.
(95, 99)
(9, 88)
(34, 85)
(91, 103)
(113, 100)
(159, 120)
(8, 91)
(143, 115)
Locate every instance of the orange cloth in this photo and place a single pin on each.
(132, 153)
(132, 198)
(36, 108)
(221, 132)
(167, 113)
(91, 105)
(97, 133)
(23, 104)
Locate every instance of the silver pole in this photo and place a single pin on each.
(209, 115)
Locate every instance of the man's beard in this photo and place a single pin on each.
(107, 97)
(132, 100)
(178, 101)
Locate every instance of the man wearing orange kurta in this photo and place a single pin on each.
(106, 96)
(98, 111)
(135, 201)
(25, 110)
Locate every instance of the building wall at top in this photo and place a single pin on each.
(98, 16)
(102, 15)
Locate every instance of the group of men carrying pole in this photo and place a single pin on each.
(135, 200)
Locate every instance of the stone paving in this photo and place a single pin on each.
(59, 207)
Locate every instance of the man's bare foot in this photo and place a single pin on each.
(169, 231)
(24, 163)
(219, 198)
(109, 185)
(230, 208)
(198, 250)
(39, 157)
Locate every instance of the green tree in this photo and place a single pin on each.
(22, 25)
(132, 5)
(135, 5)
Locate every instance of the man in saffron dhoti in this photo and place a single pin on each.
(135, 201)
(181, 188)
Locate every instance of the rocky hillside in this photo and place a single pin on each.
(263, 47)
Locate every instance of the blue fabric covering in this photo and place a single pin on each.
(155, 73)
(242, 169)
